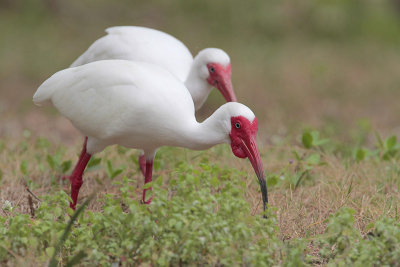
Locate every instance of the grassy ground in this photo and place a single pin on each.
(332, 68)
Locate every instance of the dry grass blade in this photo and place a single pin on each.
(31, 208)
(30, 192)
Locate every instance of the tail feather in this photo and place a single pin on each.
(43, 94)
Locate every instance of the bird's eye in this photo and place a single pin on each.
(212, 69)
(237, 125)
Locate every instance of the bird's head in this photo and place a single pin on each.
(217, 69)
(242, 125)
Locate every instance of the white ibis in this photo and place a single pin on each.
(143, 106)
(210, 68)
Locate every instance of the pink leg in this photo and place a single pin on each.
(147, 179)
(76, 176)
(83, 152)
(142, 164)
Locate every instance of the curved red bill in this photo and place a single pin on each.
(249, 146)
(225, 85)
(226, 89)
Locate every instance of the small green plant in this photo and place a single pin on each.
(113, 172)
(340, 234)
(389, 148)
(362, 153)
(343, 245)
(305, 164)
(301, 167)
(202, 217)
(293, 177)
(93, 164)
(54, 251)
(56, 164)
(311, 139)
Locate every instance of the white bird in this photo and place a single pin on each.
(210, 68)
(134, 104)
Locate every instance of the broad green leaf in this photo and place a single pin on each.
(389, 154)
(315, 139)
(360, 154)
(391, 142)
(93, 162)
(109, 168)
(116, 173)
(307, 140)
(50, 161)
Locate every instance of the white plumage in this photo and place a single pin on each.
(140, 44)
(138, 105)
(143, 106)
(148, 45)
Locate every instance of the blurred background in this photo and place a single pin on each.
(332, 65)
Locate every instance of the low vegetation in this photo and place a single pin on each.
(322, 78)
(204, 211)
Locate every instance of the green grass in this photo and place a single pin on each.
(205, 211)
(322, 78)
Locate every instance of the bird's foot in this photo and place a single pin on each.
(72, 206)
(147, 202)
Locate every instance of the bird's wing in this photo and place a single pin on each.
(107, 47)
(140, 44)
(109, 98)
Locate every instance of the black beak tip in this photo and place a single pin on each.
(264, 192)
(265, 208)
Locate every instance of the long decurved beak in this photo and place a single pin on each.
(250, 148)
(226, 88)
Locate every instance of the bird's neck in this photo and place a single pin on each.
(198, 87)
(203, 135)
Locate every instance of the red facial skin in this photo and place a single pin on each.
(243, 143)
(220, 77)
